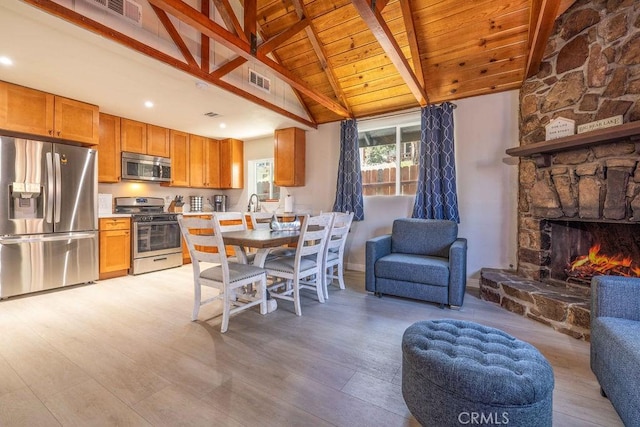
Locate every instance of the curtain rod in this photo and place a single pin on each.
(402, 113)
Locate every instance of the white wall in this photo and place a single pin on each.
(487, 183)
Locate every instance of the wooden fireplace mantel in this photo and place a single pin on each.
(542, 150)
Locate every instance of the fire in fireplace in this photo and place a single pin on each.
(580, 250)
(584, 267)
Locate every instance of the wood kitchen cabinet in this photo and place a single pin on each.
(39, 113)
(289, 157)
(158, 141)
(109, 160)
(144, 138)
(133, 136)
(231, 163)
(179, 159)
(204, 162)
(115, 247)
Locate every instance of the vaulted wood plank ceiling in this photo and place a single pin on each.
(357, 58)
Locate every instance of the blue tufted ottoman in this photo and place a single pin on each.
(461, 373)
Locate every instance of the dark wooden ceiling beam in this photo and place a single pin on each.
(229, 18)
(194, 18)
(205, 42)
(381, 32)
(266, 47)
(275, 41)
(543, 17)
(319, 50)
(407, 16)
(228, 67)
(82, 21)
(380, 4)
(175, 36)
(250, 22)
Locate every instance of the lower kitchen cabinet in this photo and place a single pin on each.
(115, 247)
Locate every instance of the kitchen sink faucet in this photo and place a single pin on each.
(253, 207)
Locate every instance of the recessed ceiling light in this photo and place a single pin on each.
(223, 125)
(148, 104)
(5, 60)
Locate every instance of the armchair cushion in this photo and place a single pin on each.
(423, 236)
(414, 268)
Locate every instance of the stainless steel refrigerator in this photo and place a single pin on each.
(48, 215)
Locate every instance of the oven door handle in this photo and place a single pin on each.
(156, 223)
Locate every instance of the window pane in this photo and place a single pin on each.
(378, 161)
(265, 189)
(410, 153)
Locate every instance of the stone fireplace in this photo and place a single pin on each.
(583, 190)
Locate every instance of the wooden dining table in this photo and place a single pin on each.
(262, 240)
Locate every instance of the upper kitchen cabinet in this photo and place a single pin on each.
(158, 141)
(143, 138)
(204, 164)
(39, 113)
(76, 121)
(289, 157)
(133, 136)
(179, 146)
(109, 160)
(231, 163)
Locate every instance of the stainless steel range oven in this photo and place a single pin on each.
(156, 242)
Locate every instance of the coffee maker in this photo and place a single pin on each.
(219, 203)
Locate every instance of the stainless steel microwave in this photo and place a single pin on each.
(141, 167)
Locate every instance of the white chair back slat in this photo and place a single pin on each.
(261, 220)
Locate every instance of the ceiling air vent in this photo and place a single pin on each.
(127, 8)
(259, 81)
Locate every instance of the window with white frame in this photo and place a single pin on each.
(389, 159)
(261, 180)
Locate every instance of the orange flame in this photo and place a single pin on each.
(595, 264)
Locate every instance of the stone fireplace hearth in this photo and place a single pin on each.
(591, 71)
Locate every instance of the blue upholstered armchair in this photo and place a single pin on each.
(422, 259)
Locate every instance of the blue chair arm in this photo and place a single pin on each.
(375, 249)
(457, 271)
(615, 296)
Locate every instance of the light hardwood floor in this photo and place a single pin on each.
(124, 352)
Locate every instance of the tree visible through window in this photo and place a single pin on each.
(389, 160)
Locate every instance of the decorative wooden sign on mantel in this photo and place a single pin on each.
(600, 124)
(560, 127)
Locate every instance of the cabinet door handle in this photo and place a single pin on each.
(58, 133)
(50, 132)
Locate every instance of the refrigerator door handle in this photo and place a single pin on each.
(50, 184)
(56, 165)
(45, 238)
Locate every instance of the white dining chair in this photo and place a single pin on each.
(261, 220)
(334, 250)
(304, 269)
(226, 276)
(235, 221)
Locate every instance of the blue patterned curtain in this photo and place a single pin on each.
(349, 186)
(436, 196)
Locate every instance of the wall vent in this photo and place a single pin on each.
(259, 81)
(126, 8)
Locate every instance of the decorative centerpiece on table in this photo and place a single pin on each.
(276, 225)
